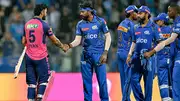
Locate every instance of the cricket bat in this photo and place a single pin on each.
(17, 67)
(49, 86)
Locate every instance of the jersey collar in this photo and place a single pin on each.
(149, 24)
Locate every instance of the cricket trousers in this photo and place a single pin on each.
(176, 78)
(37, 74)
(124, 74)
(164, 70)
(90, 62)
(137, 71)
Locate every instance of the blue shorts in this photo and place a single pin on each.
(37, 71)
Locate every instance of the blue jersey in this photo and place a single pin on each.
(176, 29)
(165, 33)
(145, 36)
(125, 33)
(93, 34)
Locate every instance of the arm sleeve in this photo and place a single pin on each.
(77, 41)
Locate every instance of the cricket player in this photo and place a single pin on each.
(125, 33)
(96, 42)
(146, 32)
(164, 58)
(173, 13)
(36, 58)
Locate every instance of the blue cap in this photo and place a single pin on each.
(162, 16)
(144, 9)
(131, 8)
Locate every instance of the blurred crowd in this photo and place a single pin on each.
(63, 16)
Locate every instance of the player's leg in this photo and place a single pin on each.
(30, 79)
(42, 68)
(148, 76)
(163, 79)
(87, 73)
(136, 74)
(176, 80)
(127, 86)
(121, 69)
(101, 77)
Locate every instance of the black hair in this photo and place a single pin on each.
(176, 7)
(127, 15)
(86, 3)
(39, 8)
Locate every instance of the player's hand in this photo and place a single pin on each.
(149, 54)
(65, 47)
(103, 57)
(128, 60)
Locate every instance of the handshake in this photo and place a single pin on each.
(66, 47)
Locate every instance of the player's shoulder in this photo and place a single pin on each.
(101, 19)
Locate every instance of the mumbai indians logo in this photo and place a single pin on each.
(32, 26)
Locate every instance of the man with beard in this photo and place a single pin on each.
(96, 42)
(146, 32)
(173, 13)
(125, 33)
(37, 66)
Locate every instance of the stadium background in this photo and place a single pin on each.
(62, 17)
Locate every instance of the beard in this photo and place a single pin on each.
(84, 17)
(141, 20)
(44, 18)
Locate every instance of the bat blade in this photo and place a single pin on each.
(17, 67)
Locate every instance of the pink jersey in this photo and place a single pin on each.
(36, 31)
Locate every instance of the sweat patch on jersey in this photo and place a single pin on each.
(121, 28)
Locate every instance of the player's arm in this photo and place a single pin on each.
(161, 45)
(107, 34)
(108, 41)
(56, 41)
(76, 41)
(78, 37)
(24, 41)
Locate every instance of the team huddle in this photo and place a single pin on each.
(145, 48)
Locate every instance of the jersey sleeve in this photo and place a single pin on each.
(157, 31)
(104, 26)
(78, 29)
(48, 31)
(134, 27)
(176, 28)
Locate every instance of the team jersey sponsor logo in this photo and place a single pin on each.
(91, 36)
(94, 27)
(147, 32)
(140, 40)
(136, 33)
(121, 28)
(165, 35)
(32, 26)
(85, 29)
